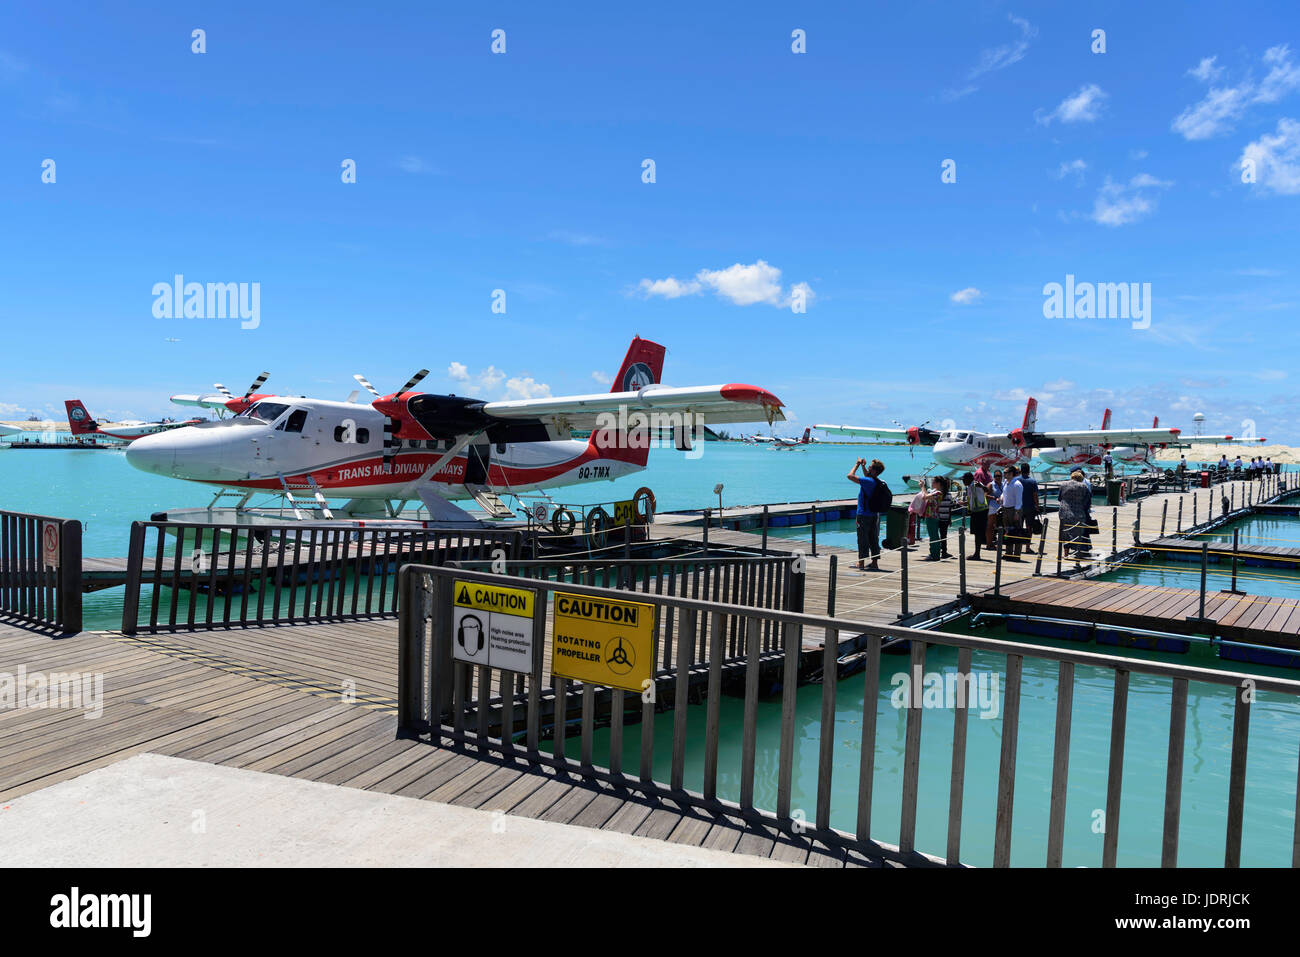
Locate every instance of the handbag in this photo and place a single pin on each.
(1090, 527)
(1035, 526)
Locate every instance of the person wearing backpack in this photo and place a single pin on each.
(874, 499)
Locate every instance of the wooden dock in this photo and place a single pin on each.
(275, 700)
(1221, 552)
(1253, 619)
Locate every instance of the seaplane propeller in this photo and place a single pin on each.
(257, 384)
(391, 424)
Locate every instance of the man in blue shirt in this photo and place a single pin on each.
(868, 521)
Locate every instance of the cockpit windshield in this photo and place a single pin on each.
(266, 411)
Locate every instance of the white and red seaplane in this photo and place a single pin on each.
(83, 425)
(409, 445)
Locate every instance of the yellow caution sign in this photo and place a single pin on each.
(509, 601)
(602, 641)
(493, 626)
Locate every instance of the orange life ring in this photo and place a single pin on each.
(644, 505)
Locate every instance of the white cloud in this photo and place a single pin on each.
(1060, 385)
(458, 371)
(966, 296)
(1075, 166)
(526, 387)
(1138, 154)
(1118, 204)
(491, 377)
(743, 285)
(604, 378)
(1276, 159)
(1221, 107)
(1206, 71)
(1270, 375)
(669, 288)
(413, 164)
(992, 59)
(1083, 106)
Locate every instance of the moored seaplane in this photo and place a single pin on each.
(82, 425)
(411, 445)
(958, 450)
(1078, 456)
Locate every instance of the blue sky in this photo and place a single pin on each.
(775, 172)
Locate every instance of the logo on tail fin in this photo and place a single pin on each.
(79, 419)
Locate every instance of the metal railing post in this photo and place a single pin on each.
(1114, 531)
(1042, 548)
(997, 567)
(70, 575)
(764, 530)
(134, 572)
(961, 559)
(903, 554)
(1179, 527)
(830, 586)
(708, 515)
(814, 530)
(1164, 512)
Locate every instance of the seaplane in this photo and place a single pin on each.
(82, 425)
(1140, 456)
(959, 450)
(409, 445)
(780, 442)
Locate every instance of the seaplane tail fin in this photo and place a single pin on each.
(642, 366)
(807, 436)
(1031, 416)
(1105, 420)
(79, 419)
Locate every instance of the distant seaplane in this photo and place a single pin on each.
(958, 450)
(81, 423)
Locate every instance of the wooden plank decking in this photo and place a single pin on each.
(262, 699)
(1256, 619)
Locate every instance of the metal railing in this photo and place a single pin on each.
(208, 576)
(449, 700)
(40, 569)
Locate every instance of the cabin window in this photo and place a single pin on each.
(266, 411)
(501, 448)
(297, 419)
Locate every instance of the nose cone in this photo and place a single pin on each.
(154, 453)
(200, 453)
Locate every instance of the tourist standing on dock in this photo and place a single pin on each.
(1108, 461)
(869, 486)
(1076, 515)
(938, 515)
(977, 504)
(995, 508)
(1012, 493)
(1029, 507)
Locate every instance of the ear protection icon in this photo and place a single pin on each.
(471, 628)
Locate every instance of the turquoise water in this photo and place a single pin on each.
(1271, 779)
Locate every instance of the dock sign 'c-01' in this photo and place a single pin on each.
(603, 642)
(492, 625)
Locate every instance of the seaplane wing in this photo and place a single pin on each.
(916, 435)
(214, 401)
(714, 404)
(1048, 440)
(1216, 440)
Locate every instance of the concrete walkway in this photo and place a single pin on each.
(155, 811)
